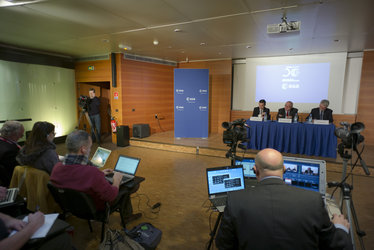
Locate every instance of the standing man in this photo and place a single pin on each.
(322, 113)
(288, 111)
(10, 133)
(274, 215)
(261, 110)
(94, 113)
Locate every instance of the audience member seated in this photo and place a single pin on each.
(288, 111)
(10, 133)
(261, 110)
(77, 173)
(39, 150)
(273, 215)
(322, 112)
(26, 230)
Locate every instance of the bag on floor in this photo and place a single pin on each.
(146, 234)
(116, 240)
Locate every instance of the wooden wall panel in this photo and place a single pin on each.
(365, 111)
(102, 71)
(147, 89)
(220, 76)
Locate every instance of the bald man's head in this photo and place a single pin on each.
(269, 162)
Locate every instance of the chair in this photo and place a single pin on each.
(4, 177)
(80, 205)
(32, 183)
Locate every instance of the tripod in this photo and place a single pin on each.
(85, 113)
(346, 199)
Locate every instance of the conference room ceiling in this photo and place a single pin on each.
(187, 29)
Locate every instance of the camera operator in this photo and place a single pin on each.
(94, 113)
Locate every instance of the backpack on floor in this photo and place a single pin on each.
(146, 235)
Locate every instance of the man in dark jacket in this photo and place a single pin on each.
(322, 112)
(261, 110)
(274, 215)
(94, 113)
(288, 111)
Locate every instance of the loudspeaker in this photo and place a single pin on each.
(123, 136)
(140, 130)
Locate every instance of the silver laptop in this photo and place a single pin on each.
(304, 173)
(222, 180)
(100, 157)
(10, 197)
(127, 166)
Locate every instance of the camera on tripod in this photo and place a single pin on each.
(350, 136)
(83, 102)
(235, 132)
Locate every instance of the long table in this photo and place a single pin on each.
(295, 138)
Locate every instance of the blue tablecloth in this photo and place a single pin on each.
(295, 138)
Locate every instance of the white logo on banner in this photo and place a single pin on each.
(191, 99)
(203, 91)
(203, 108)
(179, 108)
(179, 91)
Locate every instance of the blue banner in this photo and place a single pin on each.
(191, 103)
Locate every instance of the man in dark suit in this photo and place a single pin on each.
(322, 113)
(261, 110)
(11, 132)
(288, 111)
(273, 215)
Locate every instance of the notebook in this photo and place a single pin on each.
(100, 157)
(10, 197)
(304, 173)
(247, 164)
(222, 180)
(127, 166)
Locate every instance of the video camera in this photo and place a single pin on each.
(350, 134)
(83, 102)
(235, 132)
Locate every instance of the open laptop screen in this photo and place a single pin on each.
(126, 164)
(305, 173)
(225, 179)
(247, 164)
(101, 156)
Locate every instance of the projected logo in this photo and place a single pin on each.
(179, 108)
(179, 91)
(203, 91)
(203, 108)
(191, 99)
(291, 71)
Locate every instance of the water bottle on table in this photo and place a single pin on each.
(295, 118)
(310, 118)
(265, 117)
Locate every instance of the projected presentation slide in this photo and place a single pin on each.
(304, 83)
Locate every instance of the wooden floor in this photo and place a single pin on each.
(175, 177)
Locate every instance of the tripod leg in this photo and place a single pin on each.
(213, 233)
(349, 216)
(80, 119)
(360, 233)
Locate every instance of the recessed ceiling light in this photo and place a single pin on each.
(155, 42)
(177, 30)
(248, 46)
(202, 44)
(182, 51)
(219, 53)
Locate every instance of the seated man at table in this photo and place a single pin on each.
(261, 110)
(322, 112)
(26, 230)
(77, 172)
(288, 111)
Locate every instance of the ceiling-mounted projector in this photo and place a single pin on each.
(284, 26)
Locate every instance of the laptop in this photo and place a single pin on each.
(127, 166)
(305, 173)
(100, 157)
(222, 180)
(247, 164)
(10, 197)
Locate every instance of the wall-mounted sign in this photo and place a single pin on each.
(116, 95)
(91, 67)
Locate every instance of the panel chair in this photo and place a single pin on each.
(80, 205)
(32, 184)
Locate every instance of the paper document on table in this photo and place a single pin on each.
(49, 219)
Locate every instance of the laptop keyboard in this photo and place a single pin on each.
(217, 202)
(11, 195)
